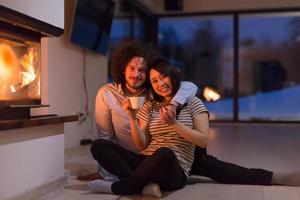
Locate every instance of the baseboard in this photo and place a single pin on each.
(41, 190)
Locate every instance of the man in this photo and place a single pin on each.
(129, 71)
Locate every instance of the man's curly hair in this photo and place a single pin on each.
(124, 53)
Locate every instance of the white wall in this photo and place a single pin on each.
(30, 157)
(50, 11)
(157, 6)
(65, 92)
(65, 84)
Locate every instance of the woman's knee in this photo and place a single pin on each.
(165, 154)
(98, 146)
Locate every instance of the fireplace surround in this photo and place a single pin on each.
(32, 147)
(20, 74)
(20, 62)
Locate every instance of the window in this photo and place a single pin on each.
(120, 30)
(202, 47)
(269, 72)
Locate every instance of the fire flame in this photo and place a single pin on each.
(27, 62)
(8, 63)
(210, 94)
(8, 67)
(12, 89)
(14, 73)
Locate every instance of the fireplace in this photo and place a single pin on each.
(20, 78)
(20, 62)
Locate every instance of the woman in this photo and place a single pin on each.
(167, 147)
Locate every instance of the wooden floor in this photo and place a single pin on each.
(273, 147)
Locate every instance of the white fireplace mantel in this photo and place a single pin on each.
(32, 158)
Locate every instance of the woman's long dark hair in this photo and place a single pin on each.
(162, 66)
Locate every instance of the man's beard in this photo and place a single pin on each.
(137, 86)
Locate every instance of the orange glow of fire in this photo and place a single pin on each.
(8, 67)
(27, 62)
(14, 73)
(12, 89)
(8, 64)
(210, 94)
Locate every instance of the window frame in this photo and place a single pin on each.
(235, 16)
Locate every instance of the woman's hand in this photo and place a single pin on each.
(168, 114)
(127, 108)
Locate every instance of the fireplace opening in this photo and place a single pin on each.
(19, 71)
(20, 74)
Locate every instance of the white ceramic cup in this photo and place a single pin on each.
(136, 102)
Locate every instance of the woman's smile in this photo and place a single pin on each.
(161, 83)
(164, 88)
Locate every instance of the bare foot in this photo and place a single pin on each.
(89, 177)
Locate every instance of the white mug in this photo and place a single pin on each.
(136, 102)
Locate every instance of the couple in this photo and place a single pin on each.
(166, 144)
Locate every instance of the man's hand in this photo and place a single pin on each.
(168, 114)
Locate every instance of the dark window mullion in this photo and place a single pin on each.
(235, 67)
(151, 30)
(131, 27)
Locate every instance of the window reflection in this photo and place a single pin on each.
(120, 30)
(268, 72)
(202, 48)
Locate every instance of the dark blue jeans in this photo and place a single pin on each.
(135, 170)
(224, 172)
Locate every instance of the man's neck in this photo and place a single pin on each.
(132, 92)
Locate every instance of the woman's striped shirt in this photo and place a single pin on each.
(162, 135)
